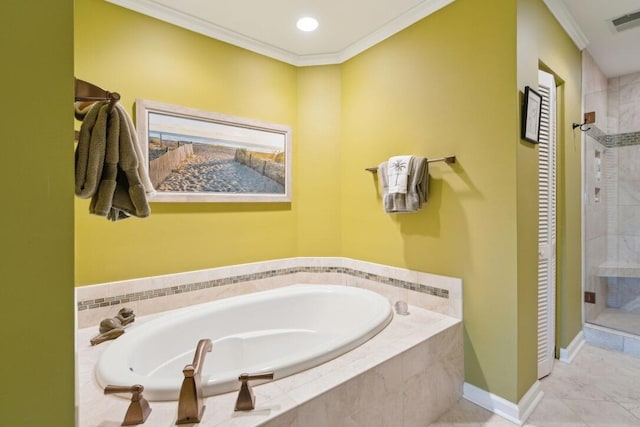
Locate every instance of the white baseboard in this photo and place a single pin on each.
(516, 413)
(568, 354)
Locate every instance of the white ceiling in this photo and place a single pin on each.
(616, 53)
(350, 27)
(347, 27)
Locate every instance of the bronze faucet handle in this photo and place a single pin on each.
(139, 408)
(246, 399)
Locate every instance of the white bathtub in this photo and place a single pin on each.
(285, 330)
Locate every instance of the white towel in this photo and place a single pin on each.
(398, 172)
(417, 187)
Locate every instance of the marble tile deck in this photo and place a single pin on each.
(600, 388)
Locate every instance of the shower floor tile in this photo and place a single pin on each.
(619, 320)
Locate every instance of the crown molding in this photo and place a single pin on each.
(201, 26)
(394, 26)
(568, 22)
(198, 25)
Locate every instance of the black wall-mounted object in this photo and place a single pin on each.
(531, 113)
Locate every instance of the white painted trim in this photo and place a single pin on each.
(568, 354)
(422, 10)
(568, 22)
(194, 23)
(517, 414)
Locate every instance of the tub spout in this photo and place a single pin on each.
(190, 406)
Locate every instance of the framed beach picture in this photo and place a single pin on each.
(203, 156)
(531, 111)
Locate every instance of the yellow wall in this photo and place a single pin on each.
(543, 44)
(36, 218)
(317, 168)
(168, 64)
(446, 85)
(141, 57)
(449, 84)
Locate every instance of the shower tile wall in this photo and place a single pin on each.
(612, 191)
(624, 104)
(624, 227)
(625, 209)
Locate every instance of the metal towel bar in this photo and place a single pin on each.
(447, 159)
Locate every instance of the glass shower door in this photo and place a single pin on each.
(612, 208)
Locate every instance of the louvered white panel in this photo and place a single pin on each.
(546, 224)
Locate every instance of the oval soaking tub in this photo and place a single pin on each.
(285, 330)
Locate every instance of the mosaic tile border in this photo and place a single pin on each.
(597, 134)
(172, 290)
(616, 140)
(623, 139)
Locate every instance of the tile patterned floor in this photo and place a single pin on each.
(600, 388)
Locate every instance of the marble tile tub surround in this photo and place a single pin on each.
(150, 295)
(407, 375)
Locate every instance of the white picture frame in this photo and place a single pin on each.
(202, 156)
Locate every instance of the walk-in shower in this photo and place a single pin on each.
(611, 168)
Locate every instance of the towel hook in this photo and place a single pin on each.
(581, 126)
(86, 91)
(114, 97)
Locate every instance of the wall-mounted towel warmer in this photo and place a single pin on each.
(447, 159)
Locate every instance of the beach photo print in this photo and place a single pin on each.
(202, 156)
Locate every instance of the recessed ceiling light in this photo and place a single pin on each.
(307, 24)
